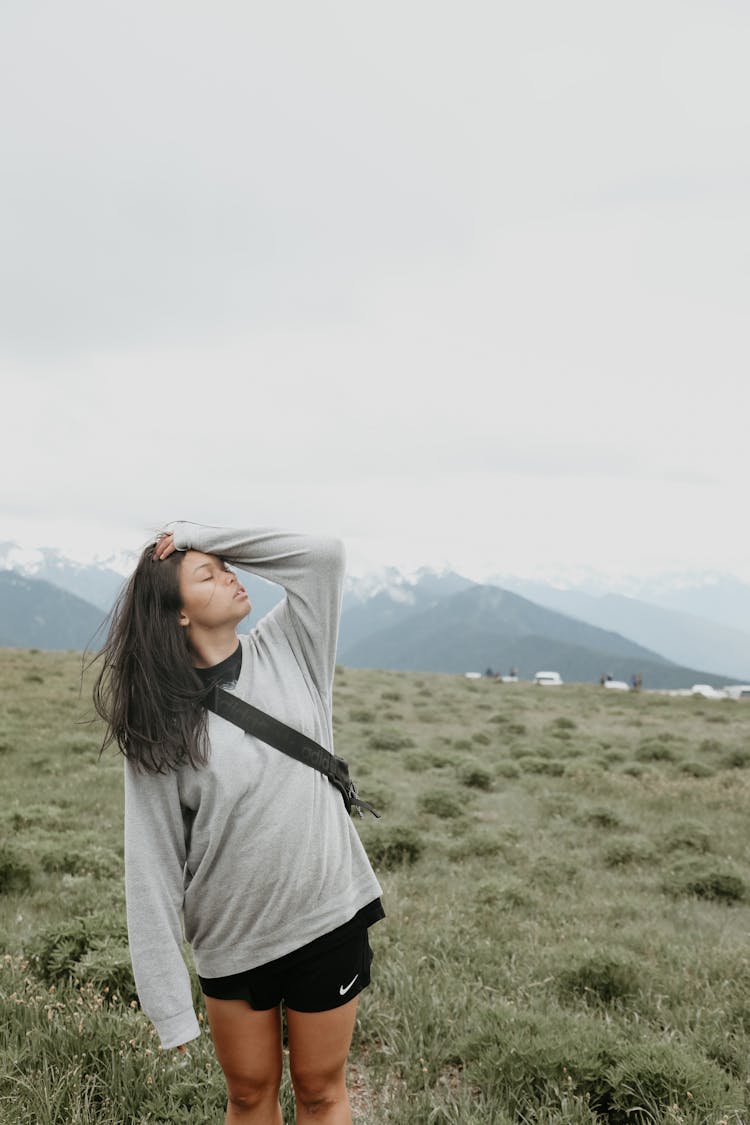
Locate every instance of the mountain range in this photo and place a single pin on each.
(430, 621)
(36, 614)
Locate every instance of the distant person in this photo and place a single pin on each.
(254, 851)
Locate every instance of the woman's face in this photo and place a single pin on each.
(210, 593)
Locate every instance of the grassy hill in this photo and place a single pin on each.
(566, 882)
(485, 626)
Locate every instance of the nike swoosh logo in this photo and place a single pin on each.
(343, 990)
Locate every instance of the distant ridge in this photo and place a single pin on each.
(36, 614)
(487, 627)
(679, 636)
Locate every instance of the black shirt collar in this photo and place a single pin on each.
(226, 673)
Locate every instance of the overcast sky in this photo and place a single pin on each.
(464, 283)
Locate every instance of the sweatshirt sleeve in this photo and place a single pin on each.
(154, 862)
(311, 570)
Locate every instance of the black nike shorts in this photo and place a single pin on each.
(315, 978)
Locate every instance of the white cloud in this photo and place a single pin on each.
(457, 282)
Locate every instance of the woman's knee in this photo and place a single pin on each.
(246, 1094)
(318, 1090)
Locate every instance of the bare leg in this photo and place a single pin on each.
(248, 1047)
(318, 1047)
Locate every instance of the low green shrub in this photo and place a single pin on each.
(476, 844)
(55, 951)
(528, 1058)
(430, 716)
(376, 795)
(621, 853)
(508, 770)
(362, 715)
(699, 878)
(417, 761)
(395, 846)
(524, 1058)
(654, 1081)
(687, 835)
(480, 738)
(655, 750)
(634, 769)
(15, 872)
(77, 744)
(475, 776)
(738, 759)
(600, 817)
(612, 757)
(91, 861)
(390, 739)
(696, 769)
(107, 968)
(440, 802)
(604, 976)
(517, 728)
(529, 763)
(391, 696)
(563, 723)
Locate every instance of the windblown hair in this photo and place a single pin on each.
(147, 690)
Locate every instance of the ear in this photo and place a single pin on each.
(184, 619)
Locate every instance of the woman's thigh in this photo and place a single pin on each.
(319, 1043)
(247, 1043)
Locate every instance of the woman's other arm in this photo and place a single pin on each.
(154, 863)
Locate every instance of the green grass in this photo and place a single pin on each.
(566, 881)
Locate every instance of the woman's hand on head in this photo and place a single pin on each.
(164, 546)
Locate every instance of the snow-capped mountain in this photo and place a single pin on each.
(96, 582)
(698, 620)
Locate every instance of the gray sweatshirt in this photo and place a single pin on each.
(254, 853)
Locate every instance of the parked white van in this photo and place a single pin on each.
(737, 691)
(548, 679)
(707, 692)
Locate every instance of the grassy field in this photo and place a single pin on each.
(566, 881)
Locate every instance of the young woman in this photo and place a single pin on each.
(251, 850)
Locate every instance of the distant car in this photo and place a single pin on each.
(616, 685)
(737, 691)
(548, 679)
(509, 679)
(473, 675)
(707, 692)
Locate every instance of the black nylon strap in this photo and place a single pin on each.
(291, 742)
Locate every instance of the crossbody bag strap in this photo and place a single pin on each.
(289, 741)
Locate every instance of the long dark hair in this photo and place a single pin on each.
(147, 690)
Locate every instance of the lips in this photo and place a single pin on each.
(241, 592)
